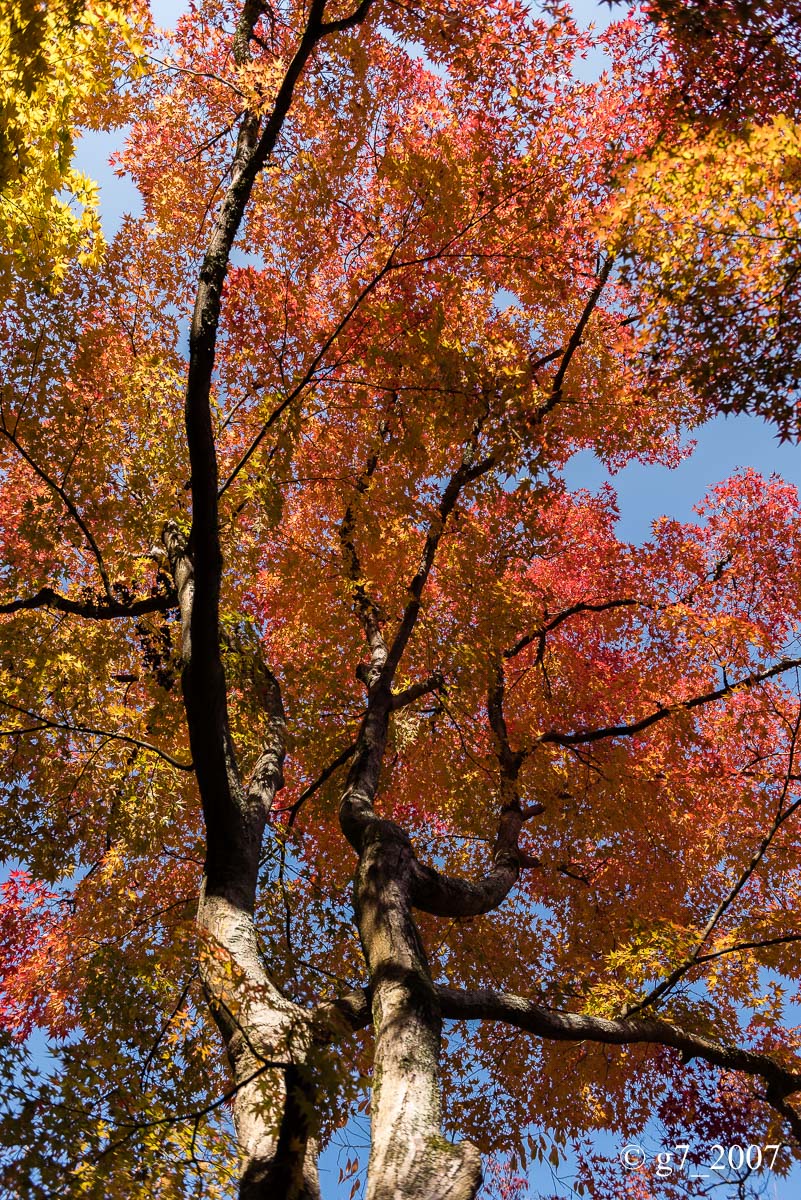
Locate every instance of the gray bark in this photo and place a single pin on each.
(409, 1157)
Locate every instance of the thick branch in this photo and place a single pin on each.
(446, 896)
(203, 679)
(349, 22)
(268, 774)
(409, 1157)
(248, 19)
(92, 609)
(514, 1010)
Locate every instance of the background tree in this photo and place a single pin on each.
(304, 635)
(709, 217)
(60, 67)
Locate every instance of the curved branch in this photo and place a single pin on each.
(88, 731)
(66, 500)
(583, 736)
(539, 635)
(490, 1005)
(446, 896)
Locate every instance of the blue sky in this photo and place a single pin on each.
(644, 493)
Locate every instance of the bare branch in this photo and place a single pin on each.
(340, 760)
(583, 736)
(782, 816)
(66, 500)
(88, 731)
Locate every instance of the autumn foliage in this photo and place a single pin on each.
(329, 712)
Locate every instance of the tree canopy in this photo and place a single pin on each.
(352, 763)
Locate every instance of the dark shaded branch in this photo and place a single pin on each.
(356, 808)
(333, 1020)
(340, 760)
(414, 691)
(88, 731)
(203, 677)
(106, 609)
(583, 736)
(572, 346)
(349, 22)
(66, 500)
(783, 939)
(466, 473)
(284, 1176)
(575, 338)
(447, 896)
(539, 635)
(365, 608)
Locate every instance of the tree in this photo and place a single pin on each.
(329, 714)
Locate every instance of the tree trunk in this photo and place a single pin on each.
(409, 1156)
(268, 1039)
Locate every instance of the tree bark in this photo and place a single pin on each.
(410, 1157)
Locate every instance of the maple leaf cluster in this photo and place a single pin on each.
(418, 318)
